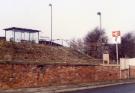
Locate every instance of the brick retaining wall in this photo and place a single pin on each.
(131, 71)
(128, 73)
(33, 75)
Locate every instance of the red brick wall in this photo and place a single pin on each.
(125, 74)
(128, 73)
(132, 71)
(24, 75)
(104, 73)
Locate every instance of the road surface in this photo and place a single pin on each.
(126, 88)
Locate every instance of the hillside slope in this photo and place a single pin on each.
(25, 52)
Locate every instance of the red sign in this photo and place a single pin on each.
(116, 33)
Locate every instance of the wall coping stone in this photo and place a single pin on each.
(47, 63)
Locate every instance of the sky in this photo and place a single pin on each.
(71, 18)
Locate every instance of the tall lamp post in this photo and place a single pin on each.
(100, 28)
(100, 21)
(51, 21)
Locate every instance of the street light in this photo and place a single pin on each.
(100, 28)
(51, 21)
(100, 23)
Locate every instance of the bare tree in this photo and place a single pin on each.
(73, 43)
(94, 43)
(126, 48)
(77, 45)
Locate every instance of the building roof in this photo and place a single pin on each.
(48, 43)
(21, 29)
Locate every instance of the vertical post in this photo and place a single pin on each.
(14, 35)
(100, 20)
(24, 36)
(21, 36)
(129, 72)
(38, 37)
(100, 28)
(5, 34)
(51, 21)
(29, 36)
(120, 72)
(117, 53)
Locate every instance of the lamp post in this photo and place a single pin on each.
(100, 23)
(51, 21)
(100, 28)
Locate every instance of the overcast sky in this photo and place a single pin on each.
(71, 18)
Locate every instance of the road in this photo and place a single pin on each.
(127, 88)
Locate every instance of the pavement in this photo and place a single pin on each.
(123, 88)
(69, 88)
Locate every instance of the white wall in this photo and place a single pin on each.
(126, 62)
